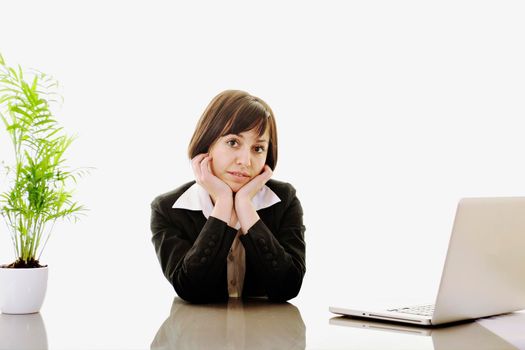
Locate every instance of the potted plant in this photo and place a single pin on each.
(37, 193)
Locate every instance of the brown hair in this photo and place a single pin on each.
(233, 112)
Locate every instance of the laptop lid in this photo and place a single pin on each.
(484, 271)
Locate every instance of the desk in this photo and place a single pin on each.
(254, 324)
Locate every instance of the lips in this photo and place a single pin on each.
(238, 174)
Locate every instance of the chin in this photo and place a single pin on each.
(235, 188)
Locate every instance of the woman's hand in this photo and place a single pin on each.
(250, 189)
(244, 208)
(220, 193)
(211, 183)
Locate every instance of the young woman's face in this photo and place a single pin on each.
(236, 159)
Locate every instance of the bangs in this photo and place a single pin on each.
(246, 117)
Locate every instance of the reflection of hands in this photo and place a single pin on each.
(250, 189)
(205, 177)
(243, 199)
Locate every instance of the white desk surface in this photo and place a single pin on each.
(174, 324)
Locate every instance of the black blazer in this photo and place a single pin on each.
(192, 250)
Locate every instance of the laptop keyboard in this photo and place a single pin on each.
(423, 310)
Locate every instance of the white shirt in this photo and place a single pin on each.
(197, 198)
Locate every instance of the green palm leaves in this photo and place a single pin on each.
(37, 195)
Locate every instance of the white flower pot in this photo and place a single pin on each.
(22, 291)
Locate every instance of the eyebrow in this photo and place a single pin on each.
(260, 140)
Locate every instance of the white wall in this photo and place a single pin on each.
(388, 113)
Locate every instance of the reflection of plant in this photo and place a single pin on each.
(37, 194)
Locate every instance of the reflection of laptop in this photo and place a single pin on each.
(484, 272)
(471, 335)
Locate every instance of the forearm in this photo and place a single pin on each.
(279, 266)
(194, 262)
(197, 270)
(246, 213)
(223, 209)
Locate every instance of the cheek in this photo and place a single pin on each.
(259, 164)
(217, 164)
(213, 168)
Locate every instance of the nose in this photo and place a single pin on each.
(243, 157)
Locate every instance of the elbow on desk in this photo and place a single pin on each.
(286, 291)
(197, 297)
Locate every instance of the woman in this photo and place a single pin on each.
(232, 232)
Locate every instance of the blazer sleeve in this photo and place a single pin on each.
(196, 269)
(279, 257)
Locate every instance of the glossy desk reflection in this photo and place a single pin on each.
(253, 324)
(256, 324)
(469, 335)
(22, 332)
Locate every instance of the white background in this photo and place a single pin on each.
(388, 112)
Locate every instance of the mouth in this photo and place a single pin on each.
(238, 174)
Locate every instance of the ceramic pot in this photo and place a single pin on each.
(22, 291)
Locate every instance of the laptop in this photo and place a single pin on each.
(484, 272)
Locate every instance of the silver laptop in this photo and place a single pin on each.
(484, 272)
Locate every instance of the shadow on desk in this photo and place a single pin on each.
(238, 324)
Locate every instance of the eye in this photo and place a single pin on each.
(232, 142)
(259, 149)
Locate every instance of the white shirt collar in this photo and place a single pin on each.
(197, 198)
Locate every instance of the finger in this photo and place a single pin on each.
(204, 167)
(197, 172)
(260, 180)
(210, 163)
(195, 164)
(267, 173)
(198, 158)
